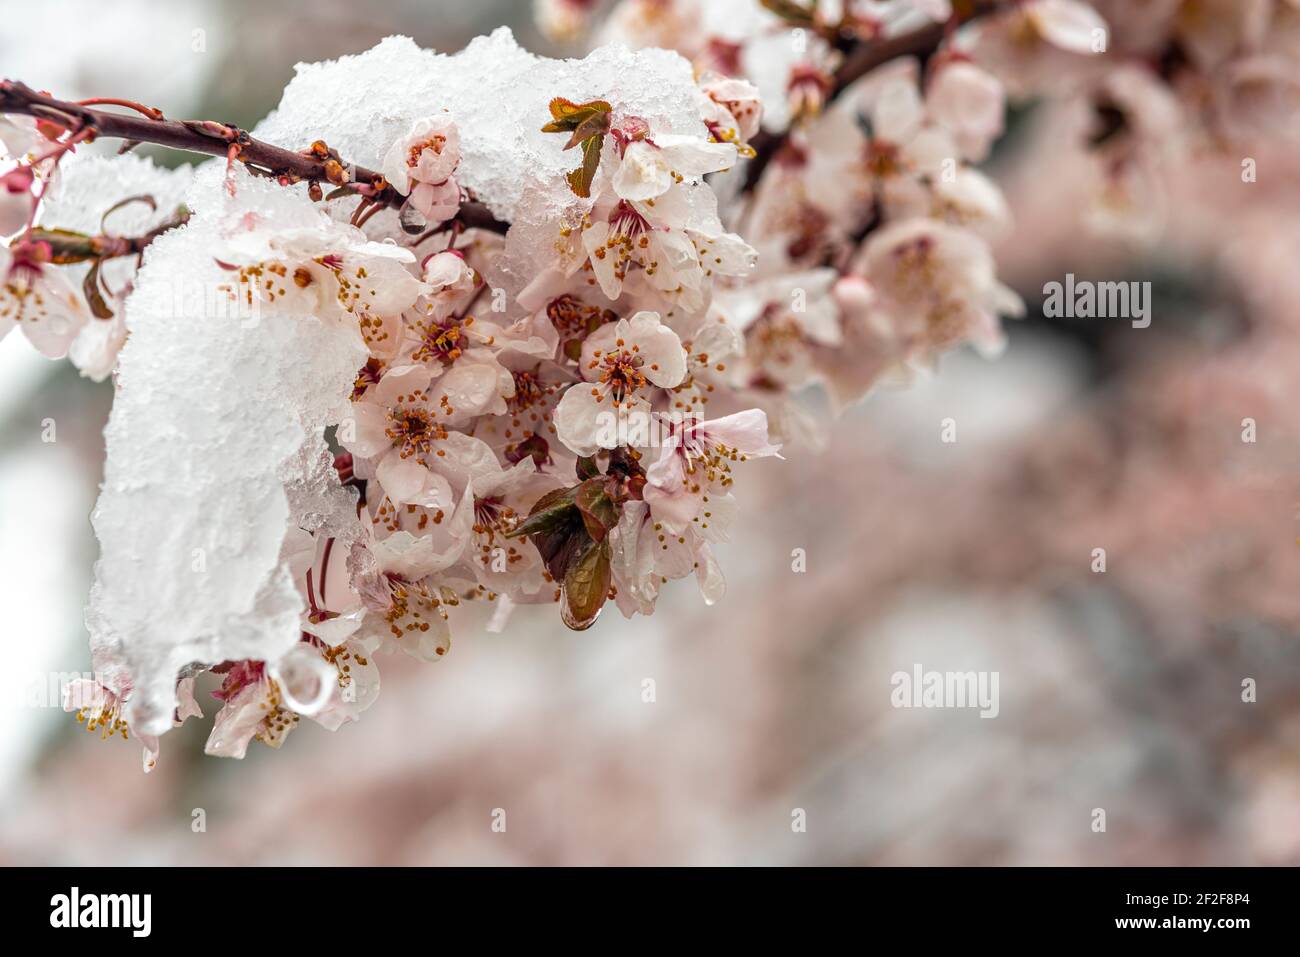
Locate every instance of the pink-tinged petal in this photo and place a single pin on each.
(675, 553)
(441, 153)
(472, 388)
(383, 333)
(726, 254)
(694, 156)
(716, 518)
(54, 322)
(358, 687)
(405, 555)
(675, 506)
(600, 343)
(388, 287)
(151, 751)
(335, 631)
(602, 259)
(673, 209)
(542, 288)
(936, 10)
(437, 202)
(431, 645)
(642, 174)
(632, 547)
(506, 481)
(186, 705)
(15, 208)
(719, 341)
(85, 693)
(396, 383)
(428, 153)
(18, 135)
(238, 721)
(365, 435)
(94, 351)
(403, 479)
(394, 167)
(578, 417)
(464, 458)
(744, 431)
(971, 104)
(449, 276)
(436, 494)
(1068, 24)
(661, 352)
(898, 112)
(713, 586)
(678, 262)
(666, 470)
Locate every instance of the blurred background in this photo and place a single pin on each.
(1120, 690)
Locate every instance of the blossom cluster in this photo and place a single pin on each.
(575, 440)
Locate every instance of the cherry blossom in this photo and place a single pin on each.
(648, 168)
(517, 363)
(1041, 45)
(693, 472)
(37, 297)
(16, 199)
(326, 270)
(969, 102)
(936, 284)
(624, 363)
(421, 165)
(99, 710)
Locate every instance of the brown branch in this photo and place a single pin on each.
(70, 247)
(318, 164)
(864, 57)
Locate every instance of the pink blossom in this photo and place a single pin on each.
(969, 102)
(624, 363)
(37, 297)
(690, 481)
(421, 165)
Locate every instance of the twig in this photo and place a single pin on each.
(68, 247)
(862, 59)
(315, 165)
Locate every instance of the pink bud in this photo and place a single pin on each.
(18, 180)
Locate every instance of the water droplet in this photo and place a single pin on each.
(571, 620)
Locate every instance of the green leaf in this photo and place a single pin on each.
(586, 583)
(559, 548)
(567, 115)
(599, 513)
(66, 246)
(580, 179)
(587, 124)
(586, 467)
(595, 125)
(552, 512)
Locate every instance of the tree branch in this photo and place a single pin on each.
(319, 164)
(861, 60)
